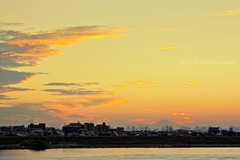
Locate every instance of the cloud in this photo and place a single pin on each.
(180, 122)
(67, 36)
(5, 90)
(26, 112)
(139, 83)
(70, 84)
(8, 77)
(182, 114)
(72, 109)
(192, 83)
(12, 56)
(4, 97)
(146, 110)
(165, 48)
(68, 116)
(229, 13)
(25, 49)
(2, 24)
(62, 84)
(91, 83)
(86, 102)
(13, 77)
(187, 117)
(75, 116)
(111, 103)
(79, 91)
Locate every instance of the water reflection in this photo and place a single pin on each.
(123, 153)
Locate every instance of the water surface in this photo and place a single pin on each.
(124, 154)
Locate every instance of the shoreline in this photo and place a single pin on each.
(117, 142)
(71, 146)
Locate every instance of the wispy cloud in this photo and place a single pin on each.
(62, 84)
(4, 90)
(40, 112)
(139, 83)
(70, 84)
(3, 24)
(66, 36)
(180, 122)
(20, 48)
(229, 13)
(4, 97)
(182, 114)
(25, 49)
(168, 47)
(70, 104)
(14, 77)
(91, 83)
(28, 111)
(79, 91)
(192, 83)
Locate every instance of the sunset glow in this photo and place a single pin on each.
(120, 62)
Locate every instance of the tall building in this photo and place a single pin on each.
(102, 128)
(120, 129)
(73, 128)
(89, 126)
(170, 128)
(40, 126)
(133, 128)
(203, 128)
(183, 127)
(213, 130)
(197, 128)
(165, 128)
(231, 128)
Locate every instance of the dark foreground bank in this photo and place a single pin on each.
(117, 142)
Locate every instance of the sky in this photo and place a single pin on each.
(128, 62)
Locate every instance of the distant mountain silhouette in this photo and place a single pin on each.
(162, 123)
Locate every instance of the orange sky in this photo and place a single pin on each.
(120, 62)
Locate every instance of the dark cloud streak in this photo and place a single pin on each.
(13, 77)
(80, 91)
(70, 84)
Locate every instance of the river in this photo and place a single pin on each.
(123, 154)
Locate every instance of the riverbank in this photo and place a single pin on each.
(117, 142)
(18, 146)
